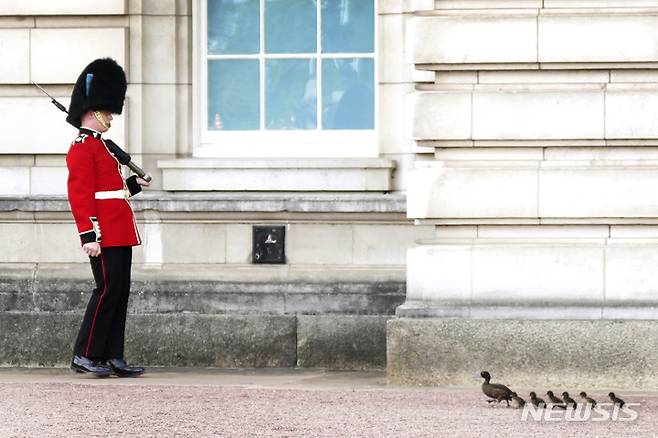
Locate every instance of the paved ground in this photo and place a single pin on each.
(274, 403)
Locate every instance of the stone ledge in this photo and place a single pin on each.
(35, 288)
(276, 163)
(522, 66)
(184, 272)
(234, 202)
(635, 311)
(277, 174)
(527, 354)
(361, 299)
(509, 10)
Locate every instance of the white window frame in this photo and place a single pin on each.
(274, 143)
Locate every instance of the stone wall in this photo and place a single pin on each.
(50, 44)
(367, 231)
(539, 141)
(196, 297)
(344, 215)
(208, 315)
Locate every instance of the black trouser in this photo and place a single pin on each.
(102, 332)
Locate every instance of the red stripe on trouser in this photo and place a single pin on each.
(98, 306)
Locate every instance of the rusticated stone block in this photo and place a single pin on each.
(345, 342)
(229, 341)
(226, 341)
(597, 354)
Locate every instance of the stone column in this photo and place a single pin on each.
(537, 163)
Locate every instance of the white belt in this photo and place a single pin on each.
(112, 194)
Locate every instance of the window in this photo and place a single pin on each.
(286, 77)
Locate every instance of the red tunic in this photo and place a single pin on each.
(96, 193)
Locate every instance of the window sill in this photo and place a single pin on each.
(278, 174)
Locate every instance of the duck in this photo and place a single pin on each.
(517, 401)
(616, 400)
(495, 391)
(536, 401)
(588, 400)
(568, 400)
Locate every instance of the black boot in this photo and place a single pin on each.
(81, 364)
(121, 369)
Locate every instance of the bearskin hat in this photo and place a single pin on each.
(100, 87)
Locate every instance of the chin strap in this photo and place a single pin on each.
(101, 120)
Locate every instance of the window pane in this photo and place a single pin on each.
(290, 26)
(233, 95)
(290, 94)
(348, 98)
(348, 26)
(233, 27)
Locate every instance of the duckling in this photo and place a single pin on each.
(495, 391)
(588, 400)
(616, 400)
(568, 400)
(517, 401)
(536, 401)
(555, 400)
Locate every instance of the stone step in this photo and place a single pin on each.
(347, 342)
(25, 294)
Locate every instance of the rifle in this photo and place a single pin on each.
(122, 156)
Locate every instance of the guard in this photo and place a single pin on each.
(98, 196)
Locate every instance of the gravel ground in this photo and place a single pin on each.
(109, 407)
